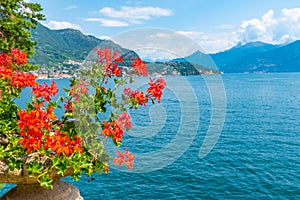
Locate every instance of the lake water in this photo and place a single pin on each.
(256, 155)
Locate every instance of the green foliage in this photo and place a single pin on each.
(59, 156)
(35, 167)
(34, 140)
(46, 182)
(17, 17)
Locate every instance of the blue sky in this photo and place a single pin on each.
(215, 25)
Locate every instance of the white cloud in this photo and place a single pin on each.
(108, 22)
(71, 7)
(274, 28)
(135, 14)
(226, 27)
(281, 28)
(212, 42)
(62, 25)
(268, 18)
(104, 37)
(291, 14)
(155, 55)
(161, 35)
(135, 22)
(126, 15)
(156, 44)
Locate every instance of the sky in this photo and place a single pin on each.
(216, 25)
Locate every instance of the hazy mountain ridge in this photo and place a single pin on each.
(267, 58)
(254, 57)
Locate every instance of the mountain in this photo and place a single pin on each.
(254, 57)
(267, 58)
(198, 58)
(63, 52)
(58, 46)
(226, 58)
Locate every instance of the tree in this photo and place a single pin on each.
(17, 17)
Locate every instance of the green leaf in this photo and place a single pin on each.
(46, 182)
(35, 167)
(76, 176)
(60, 165)
(14, 164)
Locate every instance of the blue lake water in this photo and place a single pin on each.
(255, 157)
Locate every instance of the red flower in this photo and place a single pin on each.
(127, 158)
(33, 125)
(78, 89)
(108, 57)
(156, 87)
(5, 60)
(18, 57)
(60, 142)
(113, 69)
(23, 79)
(124, 121)
(117, 133)
(68, 106)
(46, 91)
(106, 129)
(136, 96)
(5, 72)
(140, 67)
(113, 130)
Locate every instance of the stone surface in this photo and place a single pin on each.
(61, 191)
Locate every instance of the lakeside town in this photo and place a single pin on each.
(71, 68)
(68, 69)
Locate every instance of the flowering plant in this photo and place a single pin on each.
(39, 142)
